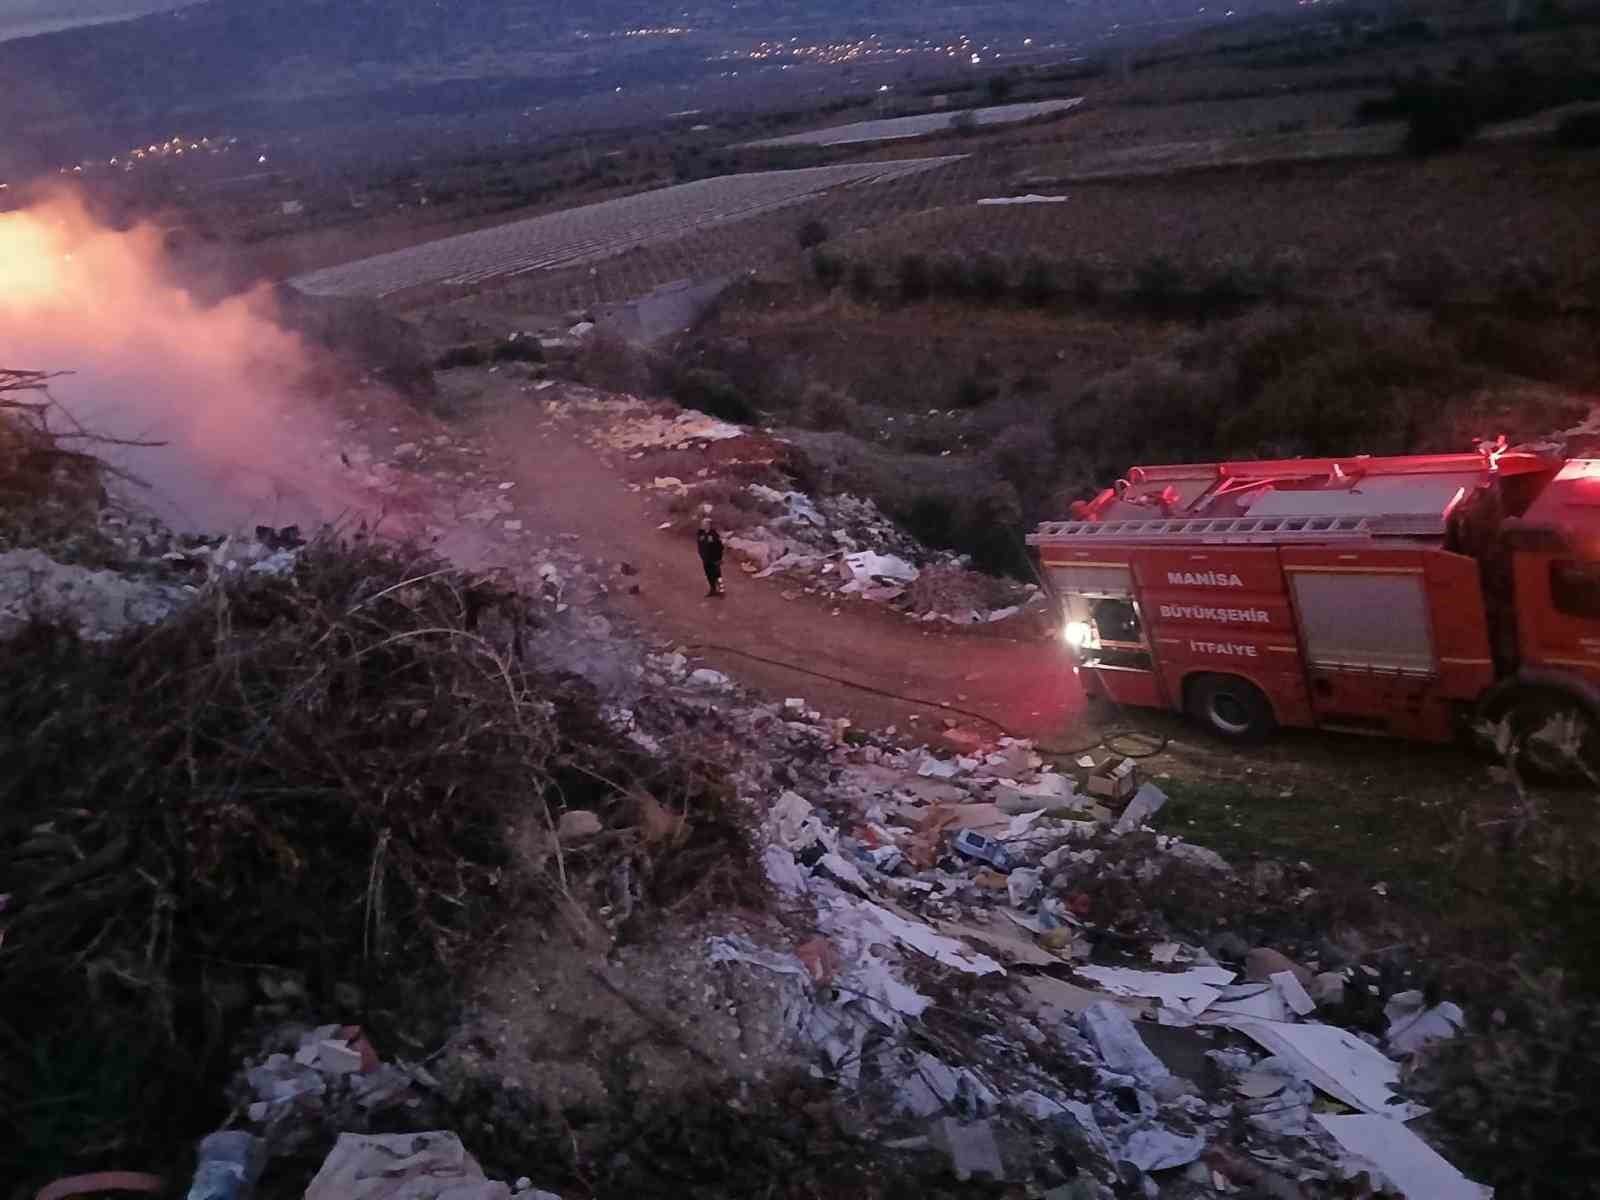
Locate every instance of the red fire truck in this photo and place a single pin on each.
(1399, 596)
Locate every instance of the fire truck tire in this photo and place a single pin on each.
(1231, 707)
(1530, 712)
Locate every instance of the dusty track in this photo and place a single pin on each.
(566, 486)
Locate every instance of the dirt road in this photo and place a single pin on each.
(567, 485)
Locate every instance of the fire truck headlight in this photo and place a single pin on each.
(1076, 633)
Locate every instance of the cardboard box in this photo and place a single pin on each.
(1115, 781)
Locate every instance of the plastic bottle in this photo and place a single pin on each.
(229, 1163)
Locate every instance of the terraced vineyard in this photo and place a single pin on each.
(585, 235)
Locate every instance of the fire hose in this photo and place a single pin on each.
(1127, 742)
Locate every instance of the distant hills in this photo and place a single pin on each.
(265, 64)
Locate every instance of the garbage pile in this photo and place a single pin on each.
(152, 575)
(840, 545)
(995, 895)
(310, 1084)
(632, 425)
(844, 545)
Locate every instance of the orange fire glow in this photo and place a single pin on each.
(216, 382)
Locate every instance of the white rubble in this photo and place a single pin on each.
(97, 604)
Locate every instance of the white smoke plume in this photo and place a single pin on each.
(216, 382)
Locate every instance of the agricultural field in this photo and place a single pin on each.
(765, 241)
(1504, 201)
(895, 128)
(584, 235)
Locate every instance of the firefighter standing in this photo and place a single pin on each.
(710, 545)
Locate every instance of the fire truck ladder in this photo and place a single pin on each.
(1237, 529)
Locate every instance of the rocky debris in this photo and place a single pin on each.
(98, 605)
(158, 574)
(624, 423)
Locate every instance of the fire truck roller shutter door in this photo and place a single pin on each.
(1361, 620)
(1110, 580)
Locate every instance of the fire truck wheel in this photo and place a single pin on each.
(1555, 736)
(1231, 707)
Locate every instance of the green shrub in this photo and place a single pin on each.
(813, 233)
(828, 267)
(461, 356)
(1158, 283)
(714, 393)
(993, 529)
(1580, 131)
(1503, 1093)
(1279, 273)
(1152, 410)
(1040, 285)
(608, 361)
(863, 280)
(1525, 285)
(1089, 280)
(931, 519)
(991, 279)
(951, 275)
(1535, 349)
(1022, 458)
(1227, 283)
(975, 389)
(1431, 279)
(1442, 118)
(1320, 384)
(914, 279)
(827, 408)
(518, 349)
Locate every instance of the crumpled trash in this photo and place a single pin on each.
(867, 568)
(1022, 885)
(402, 1166)
(1412, 1026)
(1161, 1149)
(985, 850)
(1146, 802)
(795, 823)
(1106, 1025)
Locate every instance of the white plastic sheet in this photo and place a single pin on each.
(1337, 1062)
(1392, 1150)
(402, 1166)
(1193, 990)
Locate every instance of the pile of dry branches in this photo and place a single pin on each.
(35, 461)
(318, 773)
(51, 479)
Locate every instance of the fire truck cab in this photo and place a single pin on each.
(1399, 596)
